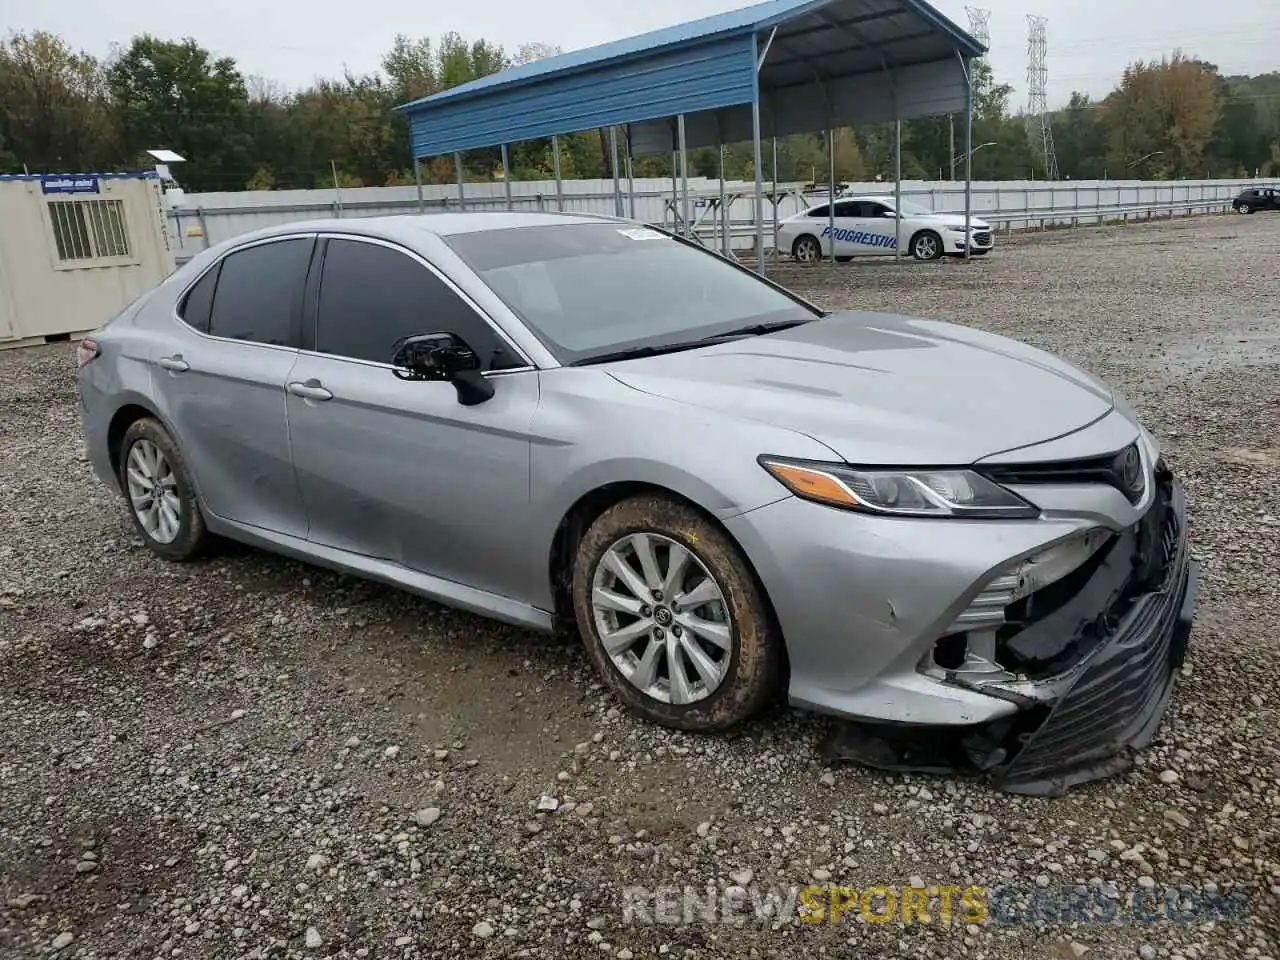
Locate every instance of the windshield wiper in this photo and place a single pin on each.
(635, 353)
(755, 330)
(653, 350)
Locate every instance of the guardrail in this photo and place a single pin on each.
(202, 220)
(742, 232)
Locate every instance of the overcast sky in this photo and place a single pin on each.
(294, 41)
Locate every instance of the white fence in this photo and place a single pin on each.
(200, 220)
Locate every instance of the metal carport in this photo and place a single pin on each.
(772, 69)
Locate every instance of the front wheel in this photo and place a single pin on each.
(926, 245)
(1244, 208)
(158, 488)
(672, 616)
(806, 249)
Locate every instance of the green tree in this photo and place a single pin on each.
(54, 111)
(1162, 117)
(176, 96)
(1080, 139)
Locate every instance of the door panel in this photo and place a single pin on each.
(860, 234)
(225, 400)
(400, 470)
(220, 376)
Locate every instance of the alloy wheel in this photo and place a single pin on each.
(153, 491)
(662, 618)
(926, 247)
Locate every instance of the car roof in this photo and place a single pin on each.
(405, 227)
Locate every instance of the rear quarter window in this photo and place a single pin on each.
(197, 306)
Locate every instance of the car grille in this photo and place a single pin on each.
(982, 239)
(1105, 469)
(1116, 701)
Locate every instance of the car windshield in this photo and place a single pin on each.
(590, 289)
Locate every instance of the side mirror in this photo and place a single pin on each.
(442, 356)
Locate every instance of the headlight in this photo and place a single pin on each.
(910, 493)
(955, 229)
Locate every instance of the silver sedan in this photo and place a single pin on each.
(585, 422)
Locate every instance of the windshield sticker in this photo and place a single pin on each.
(641, 233)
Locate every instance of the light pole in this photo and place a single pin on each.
(959, 157)
(1133, 163)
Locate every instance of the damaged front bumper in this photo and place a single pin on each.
(1108, 654)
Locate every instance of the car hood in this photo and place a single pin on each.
(883, 389)
(957, 220)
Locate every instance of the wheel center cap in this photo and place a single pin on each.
(662, 616)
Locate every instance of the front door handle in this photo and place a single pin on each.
(174, 364)
(309, 390)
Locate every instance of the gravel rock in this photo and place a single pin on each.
(483, 929)
(427, 816)
(313, 939)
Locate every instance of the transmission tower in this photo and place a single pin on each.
(1038, 128)
(979, 24)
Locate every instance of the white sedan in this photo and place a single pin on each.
(868, 226)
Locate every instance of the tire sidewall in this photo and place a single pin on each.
(191, 528)
(752, 664)
(802, 240)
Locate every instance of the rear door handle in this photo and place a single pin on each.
(175, 363)
(309, 390)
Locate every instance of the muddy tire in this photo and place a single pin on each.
(707, 616)
(159, 493)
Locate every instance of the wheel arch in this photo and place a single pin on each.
(125, 416)
(919, 232)
(584, 511)
(806, 234)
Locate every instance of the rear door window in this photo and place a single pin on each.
(371, 296)
(259, 293)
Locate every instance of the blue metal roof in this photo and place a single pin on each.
(694, 67)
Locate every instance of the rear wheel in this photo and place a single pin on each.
(672, 616)
(806, 249)
(159, 492)
(926, 245)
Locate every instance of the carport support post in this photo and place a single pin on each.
(555, 165)
(966, 66)
(724, 214)
(613, 162)
(417, 179)
(897, 189)
(684, 172)
(506, 175)
(756, 154)
(462, 189)
(831, 194)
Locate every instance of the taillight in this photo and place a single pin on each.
(86, 350)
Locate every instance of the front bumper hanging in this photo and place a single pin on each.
(1107, 707)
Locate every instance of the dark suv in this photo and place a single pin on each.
(1257, 198)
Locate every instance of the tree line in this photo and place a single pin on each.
(63, 110)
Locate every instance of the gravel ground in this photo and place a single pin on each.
(248, 757)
